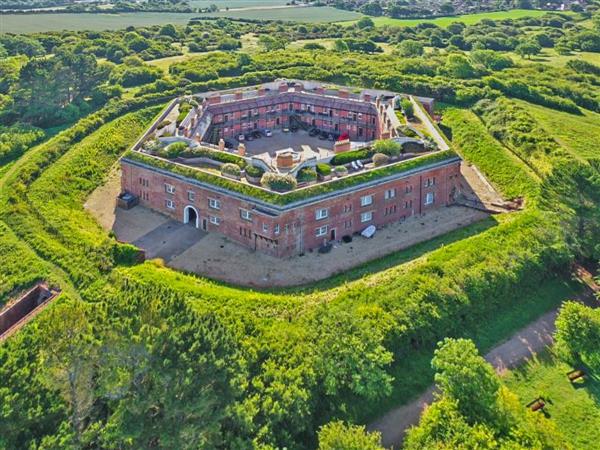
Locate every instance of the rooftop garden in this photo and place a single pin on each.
(284, 189)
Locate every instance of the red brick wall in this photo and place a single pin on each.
(297, 227)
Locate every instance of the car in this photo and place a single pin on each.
(241, 138)
(267, 132)
(285, 130)
(256, 134)
(323, 135)
(249, 136)
(313, 132)
(230, 143)
(331, 137)
(294, 128)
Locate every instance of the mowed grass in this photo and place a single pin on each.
(467, 19)
(574, 407)
(549, 56)
(222, 4)
(579, 135)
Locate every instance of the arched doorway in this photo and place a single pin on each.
(190, 215)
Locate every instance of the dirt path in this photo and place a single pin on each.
(521, 346)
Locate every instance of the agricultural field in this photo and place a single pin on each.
(309, 14)
(467, 19)
(222, 4)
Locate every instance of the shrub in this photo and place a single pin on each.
(277, 182)
(173, 150)
(163, 124)
(407, 108)
(340, 171)
(388, 147)
(323, 169)
(348, 157)
(255, 172)
(306, 174)
(379, 159)
(231, 169)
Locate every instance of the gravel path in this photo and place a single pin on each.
(524, 344)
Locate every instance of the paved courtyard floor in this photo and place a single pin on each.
(298, 141)
(213, 255)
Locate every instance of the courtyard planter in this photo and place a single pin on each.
(253, 180)
(231, 176)
(324, 177)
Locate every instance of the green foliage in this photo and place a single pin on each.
(16, 139)
(407, 108)
(578, 334)
(380, 159)
(388, 147)
(323, 169)
(254, 171)
(278, 183)
(339, 436)
(306, 174)
(174, 150)
(231, 169)
(409, 48)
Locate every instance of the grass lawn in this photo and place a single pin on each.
(328, 44)
(301, 14)
(577, 134)
(467, 19)
(490, 334)
(574, 407)
(549, 56)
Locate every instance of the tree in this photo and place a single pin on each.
(410, 48)
(528, 49)
(365, 22)
(168, 30)
(407, 108)
(578, 334)
(69, 355)
(458, 66)
(340, 46)
(339, 436)
(270, 43)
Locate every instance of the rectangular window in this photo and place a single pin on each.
(348, 208)
(191, 196)
(246, 215)
(429, 182)
(321, 213)
(215, 220)
(429, 198)
(321, 231)
(170, 203)
(366, 216)
(169, 188)
(366, 200)
(214, 203)
(276, 228)
(390, 210)
(390, 193)
(408, 189)
(265, 228)
(408, 204)
(347, 224)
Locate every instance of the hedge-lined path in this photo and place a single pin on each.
(523, 345)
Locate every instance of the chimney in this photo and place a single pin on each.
(221, 144)
(283, 87)
(367, 97)
(343, 93)
(239, 95)
(241, 149)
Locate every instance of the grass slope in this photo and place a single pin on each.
(578, 134)
(574, 407)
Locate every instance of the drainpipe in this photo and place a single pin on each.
(420, 194)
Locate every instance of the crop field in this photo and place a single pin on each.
(579, 134)
(298, 14)
(468, 19)
(222, 4)
(573, 406)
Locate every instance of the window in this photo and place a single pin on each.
(347, 224)
(390, 210)
(170, 203)
(276, 228)
(321, 231)
(390, 193)
(429, 198)
(408, 189)
(191, 196)
(214, 220)
(214, 203)
(429, 182)
(246, 215)
(366, 216)
(321, 213)
(290, 106)
(265, 228)
(169, 188)
(408, 204)
(348, 208)
(366, 200)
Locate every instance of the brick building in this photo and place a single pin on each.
(411, 184)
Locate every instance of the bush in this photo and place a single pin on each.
(348, 157)
(340, 171)
(388, 147)
(173, 150)
(379, 159)
(277, 182)
(254, 172)
(163, 124)
(306, 175)
(323, 169)
(231, 169)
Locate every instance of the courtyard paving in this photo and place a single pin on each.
(298, 141)
(213, 255)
